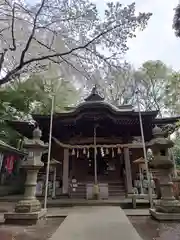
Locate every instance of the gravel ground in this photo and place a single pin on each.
(41, 231)
(150, 229)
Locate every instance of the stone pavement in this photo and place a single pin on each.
(137, 212)
(64, 211)
(115, 201)
(97, 223)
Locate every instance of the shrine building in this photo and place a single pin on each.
(95, 142)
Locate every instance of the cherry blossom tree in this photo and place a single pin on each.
(71, 34)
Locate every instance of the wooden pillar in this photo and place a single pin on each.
(65, 171)
(128, 170)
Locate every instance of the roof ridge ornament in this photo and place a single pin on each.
(94, 95)
(94, 89)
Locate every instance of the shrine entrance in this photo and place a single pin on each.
(109, 166)
(96, 143)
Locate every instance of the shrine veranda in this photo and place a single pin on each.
(95, 142)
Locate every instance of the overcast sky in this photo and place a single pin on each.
(157, 41)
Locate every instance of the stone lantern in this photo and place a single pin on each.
(28, 210)
(166, 208)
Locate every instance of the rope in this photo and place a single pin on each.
(98, 145)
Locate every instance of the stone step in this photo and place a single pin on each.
(118, 191)
(116, 186)
(80, 192)
(117, 194)
(115, 189)
(74, 195)
(116, 183)
(78, 195)
(83, 196)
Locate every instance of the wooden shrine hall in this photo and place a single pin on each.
(96, 142)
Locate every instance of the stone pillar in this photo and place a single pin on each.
(65, 171)
(166, 208)
(128, 170)
(28, 210)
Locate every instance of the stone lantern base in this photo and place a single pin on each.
(24, 218)
(166, 210)
(27, 212)
(161, 216)
(24, 206)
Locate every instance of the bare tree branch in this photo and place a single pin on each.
(70, 64)
(32, 34)
(44, 45)
(13, 48)
(24, 63)
(74, 25)
(6, 28)
(2, 55)
(102, 58)
(57, 62)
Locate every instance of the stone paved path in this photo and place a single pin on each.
(97, 223)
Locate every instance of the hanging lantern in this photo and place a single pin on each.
(84, 151)
(73, 152)
(107, 151)
(107, 164)
(88, 153)
(112, 153)
(102, 152)
(77, 153)
(89, 163)
(119, 150)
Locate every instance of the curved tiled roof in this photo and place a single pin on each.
(7, 148)
(95, 102)
(116, 119)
